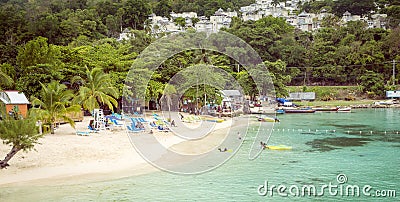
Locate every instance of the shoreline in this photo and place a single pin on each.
(65, 158)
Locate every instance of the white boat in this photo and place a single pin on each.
(345, 109)
(264, 118)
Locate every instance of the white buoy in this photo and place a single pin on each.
(360, 132)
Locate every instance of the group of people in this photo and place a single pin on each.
(139, 125)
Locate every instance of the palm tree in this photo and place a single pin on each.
(54, 104)
(97, 89)
(5, 80)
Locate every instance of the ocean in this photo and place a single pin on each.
(333, 157)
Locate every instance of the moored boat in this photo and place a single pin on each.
(345, 109)
(267, 119)
(323, 109)
(299, 110)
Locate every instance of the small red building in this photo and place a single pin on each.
(15, 100)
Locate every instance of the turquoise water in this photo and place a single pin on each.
(364, 146)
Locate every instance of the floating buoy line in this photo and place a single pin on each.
(300, 130)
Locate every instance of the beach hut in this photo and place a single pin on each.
(15, 101)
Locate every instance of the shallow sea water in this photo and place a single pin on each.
(361, 148)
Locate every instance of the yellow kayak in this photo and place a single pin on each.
(278, 147)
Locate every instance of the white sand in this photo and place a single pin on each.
(66, 158)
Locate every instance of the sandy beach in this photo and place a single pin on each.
(66, 158)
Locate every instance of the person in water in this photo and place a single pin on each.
(225, 150)
(263, 145)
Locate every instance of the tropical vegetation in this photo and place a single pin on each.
(20, 134)
(62, 41)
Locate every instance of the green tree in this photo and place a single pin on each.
(36, 51)
(373, 83)
(5, 79)
(20, 135)
(136, 12)
(180, 21)
(97, 89)
(163, 8)
(53, 105)
(354, 6)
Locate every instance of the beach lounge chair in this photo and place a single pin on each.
(82, 133)
(141, 119)
(92, 130)
(116, 124)
(162, 128)
(153, 124)
(133, 125)
(133, 129)
(134, 120)
(118, 116)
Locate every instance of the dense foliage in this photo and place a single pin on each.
(51, 40)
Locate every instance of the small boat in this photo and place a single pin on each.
(299, 110)
(345, 109)
(323, 109)
(267, 119)
(278, 147)
(280, 111)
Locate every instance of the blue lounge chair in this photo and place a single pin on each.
(82, 133)
(134, 120)
(153, 125)
(91, 129)
(133, 129)
(141, 120)
(133, 125)
(116, 123)
(161, 128)
(118, 116)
